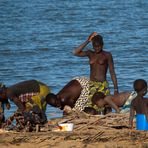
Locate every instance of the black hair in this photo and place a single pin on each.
(90, 110)
(51, 99)
(139, 85)
(97, 96)
(98, 39)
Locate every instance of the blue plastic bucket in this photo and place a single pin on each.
(141, 122)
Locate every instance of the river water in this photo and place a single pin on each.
(37, 38)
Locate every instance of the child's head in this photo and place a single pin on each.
(98, 99)
(140, 86)
(90, 110)
(52, 100)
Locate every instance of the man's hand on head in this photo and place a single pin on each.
(91, 36)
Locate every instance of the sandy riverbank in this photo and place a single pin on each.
(109, 131)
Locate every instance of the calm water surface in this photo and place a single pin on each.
(37, 38)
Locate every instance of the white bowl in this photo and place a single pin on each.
(66, 126)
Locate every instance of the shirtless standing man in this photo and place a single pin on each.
(100, 61)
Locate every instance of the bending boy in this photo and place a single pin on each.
(116, 101)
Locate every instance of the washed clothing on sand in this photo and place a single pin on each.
(26, 120)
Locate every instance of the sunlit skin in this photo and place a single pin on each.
(114, 101)
(140, 104)
(69, 94)
(99, 60)
(97, 47)
(101, 103)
